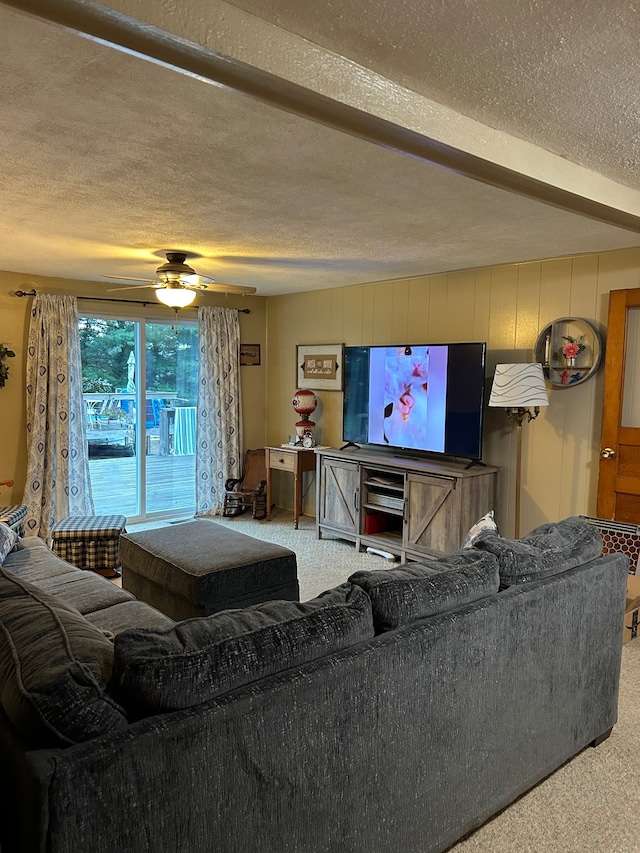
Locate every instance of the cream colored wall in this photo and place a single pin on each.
(14, 324)
(506, 306)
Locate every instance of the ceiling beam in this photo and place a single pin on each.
(151, 43)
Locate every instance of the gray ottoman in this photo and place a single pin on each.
(199, 567)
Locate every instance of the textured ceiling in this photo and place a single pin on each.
(563, 75)
(107, 159)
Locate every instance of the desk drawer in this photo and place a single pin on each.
(283, 461)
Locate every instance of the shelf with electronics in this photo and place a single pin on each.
(570, 351)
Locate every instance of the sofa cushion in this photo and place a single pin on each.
(54, 667)
(198, 659)
(418, 590)
(9, 540)
(128, 614)
(35, 562)
(85, 590)
(550, 549)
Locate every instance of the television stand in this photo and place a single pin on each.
(350, 444)
(412, 508)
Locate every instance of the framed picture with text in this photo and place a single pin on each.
(320, 366)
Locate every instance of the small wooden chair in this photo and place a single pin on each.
(250, 490)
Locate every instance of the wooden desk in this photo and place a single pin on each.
(297, 460)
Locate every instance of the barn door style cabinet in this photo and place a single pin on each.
(412, 508)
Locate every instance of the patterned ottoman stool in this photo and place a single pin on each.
(199, 567)
(14, 516)
(90, 542)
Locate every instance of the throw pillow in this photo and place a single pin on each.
(9, 541)
(485, 526)
(54, 667)
(162, 669)
(550, 549)
(418, 590)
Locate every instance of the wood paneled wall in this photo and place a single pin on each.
(506, 306)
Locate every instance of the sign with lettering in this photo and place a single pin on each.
(320, 367)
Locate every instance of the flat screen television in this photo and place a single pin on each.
(425, 397)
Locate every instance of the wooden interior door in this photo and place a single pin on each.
(619, 480)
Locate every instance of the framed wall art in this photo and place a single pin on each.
(249, 354)
(320, 366)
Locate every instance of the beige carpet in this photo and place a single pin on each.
(590, 805)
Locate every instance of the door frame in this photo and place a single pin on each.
(613, 434)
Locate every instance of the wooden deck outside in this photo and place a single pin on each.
(170, 484)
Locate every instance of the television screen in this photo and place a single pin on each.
(426, 397)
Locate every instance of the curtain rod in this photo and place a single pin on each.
(109, 299)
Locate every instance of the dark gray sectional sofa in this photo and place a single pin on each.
(398, 711)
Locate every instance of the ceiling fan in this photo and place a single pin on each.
(177, 282)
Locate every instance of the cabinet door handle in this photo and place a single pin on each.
(404, 511)
(356, 499)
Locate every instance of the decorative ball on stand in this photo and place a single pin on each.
(304, 402)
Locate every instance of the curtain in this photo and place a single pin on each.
(58, 481)
(219, 416)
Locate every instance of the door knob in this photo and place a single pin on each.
(607, 453)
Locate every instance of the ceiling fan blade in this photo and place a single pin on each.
(205, 282)
(133, 287)
(217, 287)
(197, 280)
(127, 278)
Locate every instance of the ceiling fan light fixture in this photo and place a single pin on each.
(175, 270)
(175, 296)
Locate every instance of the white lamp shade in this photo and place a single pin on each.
(518, 385)
(176, 297)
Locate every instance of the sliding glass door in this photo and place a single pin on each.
(171, 372)
(140, 386)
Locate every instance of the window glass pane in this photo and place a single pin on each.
(171, 382)
(631, 392)
(108, 353)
